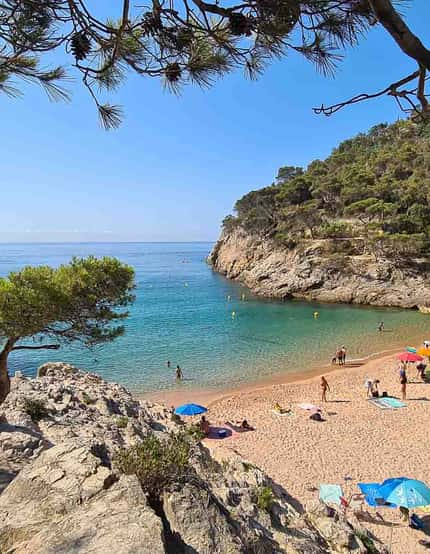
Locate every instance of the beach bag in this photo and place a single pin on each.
(316, 416)
(384, 393)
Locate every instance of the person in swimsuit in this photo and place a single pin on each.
(179, 374)
(324, 388)
(403, 381)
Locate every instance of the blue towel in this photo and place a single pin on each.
(330, 494)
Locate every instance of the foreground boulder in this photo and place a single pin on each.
(64, 491)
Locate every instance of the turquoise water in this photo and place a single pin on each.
(182, 314)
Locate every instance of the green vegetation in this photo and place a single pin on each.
(157, 462)
(88, 400)
(194, 42)
(194, 432)
(373, 189)
(80, 301)
(264, 498)
(366, 540)
(121, 422)
(35, 408)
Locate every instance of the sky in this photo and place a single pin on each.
(177, 165)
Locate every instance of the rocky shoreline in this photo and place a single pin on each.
(61, 490)
(317, 270)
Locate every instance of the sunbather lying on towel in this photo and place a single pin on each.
(240, 426)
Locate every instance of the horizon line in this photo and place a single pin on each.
(111, 242)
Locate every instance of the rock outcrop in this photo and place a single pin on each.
(63, 493)
(317, 270)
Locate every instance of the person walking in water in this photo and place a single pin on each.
(324, 388)
(403, 378)
(168, 364)
(381, 326)
(179, 374)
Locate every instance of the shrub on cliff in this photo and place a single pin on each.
(80, 301)
(157, 462)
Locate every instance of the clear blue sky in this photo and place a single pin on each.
(176, 166)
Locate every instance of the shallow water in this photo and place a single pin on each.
(182, 314)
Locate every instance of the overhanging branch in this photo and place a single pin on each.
(39, 347)
(391, 90)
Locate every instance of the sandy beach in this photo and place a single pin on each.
(357, 442)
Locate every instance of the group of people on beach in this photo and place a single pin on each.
(178, 372)
(340, 356)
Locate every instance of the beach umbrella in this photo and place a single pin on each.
(424, 352)
(190, 409)
(408, 493)
(409, 357)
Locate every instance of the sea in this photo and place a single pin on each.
(216, 330)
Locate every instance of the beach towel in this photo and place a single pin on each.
(331, 494)
(309, 407)
(289, 413)
(387, 403)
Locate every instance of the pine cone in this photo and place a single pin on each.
(173, 72)
(240, 24)
(151, 23)
(80, 45)
(184, 38)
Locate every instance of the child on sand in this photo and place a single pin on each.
(324, 388)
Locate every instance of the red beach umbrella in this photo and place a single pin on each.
(409, 357)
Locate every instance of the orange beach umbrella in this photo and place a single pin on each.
(424, 351)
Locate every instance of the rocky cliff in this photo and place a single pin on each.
(321, 270)
(63, 491)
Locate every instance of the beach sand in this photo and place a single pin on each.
(357, 442)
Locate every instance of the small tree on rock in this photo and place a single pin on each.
(42, 307)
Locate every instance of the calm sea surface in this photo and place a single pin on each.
(182, 314)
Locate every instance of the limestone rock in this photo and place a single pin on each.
(61, 493)
(310, 271)
(66, 502)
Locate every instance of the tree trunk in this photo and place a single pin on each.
(392, 21)
(4, 375)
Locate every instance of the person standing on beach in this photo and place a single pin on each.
(179, 374)
(324, 388)
(339, 356)
(403, 381)
(343, 352)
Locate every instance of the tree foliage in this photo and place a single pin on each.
(376, 185)
(183, 41)
(82, 301)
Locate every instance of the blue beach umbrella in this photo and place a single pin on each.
(190, 409)
(408, 493)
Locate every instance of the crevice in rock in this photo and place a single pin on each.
(173, 542)
(100, 451)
